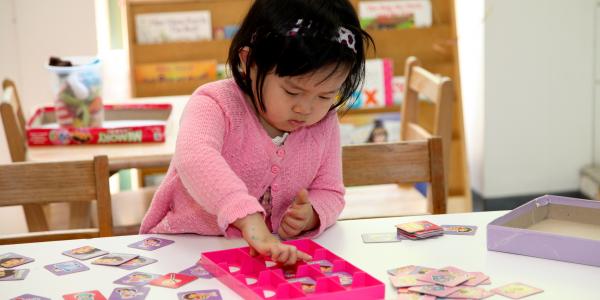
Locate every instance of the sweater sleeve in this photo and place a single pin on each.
(326, 193)
(204, 172)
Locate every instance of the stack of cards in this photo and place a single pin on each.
(419, 230)
(416, 282)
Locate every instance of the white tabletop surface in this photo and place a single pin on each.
(559, 280)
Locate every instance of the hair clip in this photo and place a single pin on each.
(346, 37)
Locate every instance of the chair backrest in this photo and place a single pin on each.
(439, 90)
(13, 120)
(73, 181)
(401, 162)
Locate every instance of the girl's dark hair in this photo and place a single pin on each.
(266, 31)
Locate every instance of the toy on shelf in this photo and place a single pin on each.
(327, 276)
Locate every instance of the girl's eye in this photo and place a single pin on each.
(291, 93)
(325, 98)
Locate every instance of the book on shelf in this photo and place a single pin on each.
(168, 27)
(395, 14)
(370, 128)
(200, 70)
(377, 88)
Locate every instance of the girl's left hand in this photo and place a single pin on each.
(299, 217)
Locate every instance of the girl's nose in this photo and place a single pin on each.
(302, 107)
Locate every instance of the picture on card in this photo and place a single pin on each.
(516, 290)
(459, 229)
(114, 259)
(406, 281)
(418, 226)
(172, 280)
(325, 265)
(29, 297)
(66, 267)
(197, 271)
(11, 260)
(137, 262)
(85, 252)
(382, 237)
(409, 270)
(448, 276)
(306, 283)
(202, 294)
(137, 279)
(129, 293)
(151, 243)
(344, 277)
(91, 295)
(434, 290)
(13, 274)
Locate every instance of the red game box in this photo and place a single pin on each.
(327, 276)
(123, 123)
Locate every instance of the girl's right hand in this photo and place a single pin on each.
(262, 242)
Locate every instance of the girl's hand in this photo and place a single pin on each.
(262, 242)
(299, 217)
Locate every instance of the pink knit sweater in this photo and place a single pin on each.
(224, 162)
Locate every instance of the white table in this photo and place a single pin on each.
(559, 280)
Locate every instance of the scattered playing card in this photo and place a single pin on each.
(201, 295)
(476, 279)
(151, 243)
(29, 297)
(406, 281)
(459, 229)
(85, 252)
(409, 270)
(66, 267)
(268, 293)
(345, 277)
(448, 276)
(516, 290)
(95, 295)
(414, 227)
(15, 274)
(114, 259)
(435, 290)
(468, 292)
(11, 260)
(326, 266)
(129, 293)
(382, 237)
(270, 263)
(308, 284)
(137, 278)
(486, 282)
(197, 271)
(172, 280)
(137, 262)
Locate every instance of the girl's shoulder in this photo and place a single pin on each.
(225, 93)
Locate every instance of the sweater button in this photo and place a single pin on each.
(280, 152)
(274, 169)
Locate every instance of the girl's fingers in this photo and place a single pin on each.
(289, 231)
(296, 214)
(253, 251)
(284, 254)
(293, 255)
(294, 224)
(275, 253)
(303, 256)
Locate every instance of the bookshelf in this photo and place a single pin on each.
(435, 46)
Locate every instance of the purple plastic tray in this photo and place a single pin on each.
(504, 236)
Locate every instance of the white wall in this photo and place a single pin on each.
(538, 95)
(30, 32)
(470, 31)
(8, 55)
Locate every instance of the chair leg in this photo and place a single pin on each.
(80, 216)
(35, 217)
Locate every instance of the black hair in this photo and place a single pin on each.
(267, 32)
(377, 124)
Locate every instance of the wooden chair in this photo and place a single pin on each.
(439, 90)
(41, 183)
(396, 163)
(13, 119)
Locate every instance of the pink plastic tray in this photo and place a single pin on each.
(258, 278)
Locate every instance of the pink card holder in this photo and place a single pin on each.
(252, 278)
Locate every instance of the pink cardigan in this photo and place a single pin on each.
(224, 162)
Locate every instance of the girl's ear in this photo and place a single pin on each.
(243, 53)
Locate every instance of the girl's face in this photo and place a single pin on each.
(299, 101)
